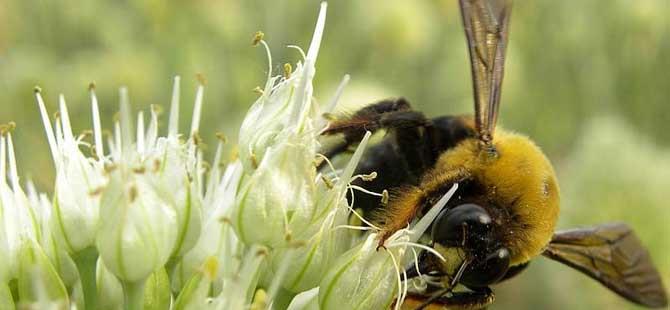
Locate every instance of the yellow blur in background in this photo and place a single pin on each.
(589, 81)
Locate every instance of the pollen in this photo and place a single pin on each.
(258, 37)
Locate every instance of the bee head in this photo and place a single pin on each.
(470, 227)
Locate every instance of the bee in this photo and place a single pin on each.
(507, 205)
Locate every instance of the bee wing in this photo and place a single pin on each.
(486, 24)
(615, 257)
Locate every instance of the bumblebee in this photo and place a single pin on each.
(505, 211)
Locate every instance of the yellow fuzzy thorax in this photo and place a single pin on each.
(519, 179)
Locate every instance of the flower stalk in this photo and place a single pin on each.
(86, 261)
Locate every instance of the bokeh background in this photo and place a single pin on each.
(588, 80)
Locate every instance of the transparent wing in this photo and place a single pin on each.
(614, 256)
(486, 24)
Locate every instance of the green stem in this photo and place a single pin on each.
(86, 261)
(133, 295)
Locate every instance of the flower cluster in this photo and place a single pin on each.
(139, 220)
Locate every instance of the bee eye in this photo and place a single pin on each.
(465, 225)
(487, 271)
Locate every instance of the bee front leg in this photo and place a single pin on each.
(385, 114)
(479, 299)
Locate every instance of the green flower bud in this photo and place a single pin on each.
(282, 183)
(367, 278)
(20, 219)
(175, 182)
(138, 235)
(361, 278)
(277, 149)
(75, 203)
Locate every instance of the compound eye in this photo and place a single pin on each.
(488, 271)
(451, 225)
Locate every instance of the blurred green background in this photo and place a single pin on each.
(588, 80)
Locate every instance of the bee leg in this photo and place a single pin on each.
(385, 114)
(514, 271)
(479, 299)
(367, 118)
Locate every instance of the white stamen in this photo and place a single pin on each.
(360, 189)
(269, 55)
(330, 164)
(416, 262)
(366, 222)
(299, 50)
(401, 291)
(363, 228)
(97, 127)
(418, 245)
(173, 127)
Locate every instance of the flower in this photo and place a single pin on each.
(38, 283)
(75, 207)
(143, 221)
(366, 278)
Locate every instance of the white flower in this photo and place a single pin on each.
(77, 177)
(20, 220)
(38, 283)
(323, 234)
(366, 278)
(277, 148)
(217, 238)
(137, 235)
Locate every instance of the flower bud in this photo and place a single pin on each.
(175, 182)
(320, 227)
(361, 278)
(75, 203)
(138, 233)
(277, 149)
(369, 278)
(282, 183)
(20, 220)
